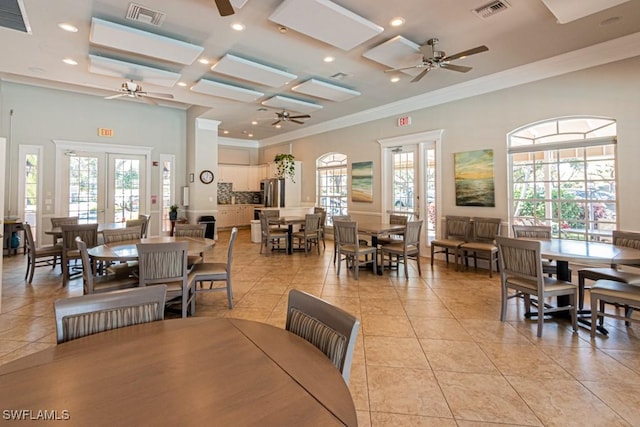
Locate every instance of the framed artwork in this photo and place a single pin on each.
(474, 178)
(362, 182)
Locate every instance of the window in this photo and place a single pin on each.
(167, 180)
(29, 186)
(563, 174)
(332, 184)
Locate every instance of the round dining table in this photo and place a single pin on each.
(195, 371)
(127, 250)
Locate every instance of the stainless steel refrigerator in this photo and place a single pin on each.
(273, 192)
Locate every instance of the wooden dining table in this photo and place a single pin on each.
(564, 251)
(57, 231)
(195, 371)
(127, 250)
(376, 229)
(289, 221)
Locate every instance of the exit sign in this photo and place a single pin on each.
(105, 132)
(404, 121)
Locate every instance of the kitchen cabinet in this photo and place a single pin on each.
(243, 178)
(234, 216)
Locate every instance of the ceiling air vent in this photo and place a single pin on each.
(13, 16)
(490, 9)
(145, 15)
(338, 76)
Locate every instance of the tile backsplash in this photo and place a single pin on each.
(225, 194)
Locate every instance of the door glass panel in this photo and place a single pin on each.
(403, 181)
(126, 190)
(83, 188)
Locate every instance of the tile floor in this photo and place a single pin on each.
(431, 351)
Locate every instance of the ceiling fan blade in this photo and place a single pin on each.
(403, 68)
(421, 75)
(276, 122)
(304, 116)
(159, 95)
(116, 96)
(297, 121)
(224, 7)
(459, 55)
(459, 68)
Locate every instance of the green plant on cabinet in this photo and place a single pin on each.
(285, 166)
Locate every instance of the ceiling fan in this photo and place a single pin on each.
(224, 7)
(134, 90)
(439, 59)
(285, 116)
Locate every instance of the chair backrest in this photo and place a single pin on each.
(145, 224)
(139, 222)
(533, 231)
(312, 223)
(457, 227)
(347, 233)
(323, 215)
(122, 234)
(341, 218)
(190, 230)
(486, 229)
(89, 314)
(87, 267)
(63, 220)
(412, 234)
(162, 262)
(87, 232)
(521, 258)
(398, 219)
(329, 328)
(272, 213)
(31, 243)
(627, 239)
(232, 240)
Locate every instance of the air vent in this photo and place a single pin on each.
(490, 9)
(139, 13)
(13, 16)
(338, 76)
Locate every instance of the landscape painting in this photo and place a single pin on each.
(362, 182)
(474, 178)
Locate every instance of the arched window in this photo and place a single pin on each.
(563, 174)
(331, 171)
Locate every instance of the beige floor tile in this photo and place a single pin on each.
(429, 308)
(358, 386)
(384, 419)
(564, 403)
(482, 397)
(387, 326)
(397, 352)
(590, 364)
(384, 306)
(457, 356)
(440, 329)
(523, 360)
(405, 391)
(624, 399)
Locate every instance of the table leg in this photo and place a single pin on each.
(289, 239)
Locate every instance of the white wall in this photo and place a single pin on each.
(482, 122)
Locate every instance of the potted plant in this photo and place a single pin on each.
(173, 212)
(286, 166)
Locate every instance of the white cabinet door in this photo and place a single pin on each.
(225, 173)
(253, 178)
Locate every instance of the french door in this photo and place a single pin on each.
(99, 186)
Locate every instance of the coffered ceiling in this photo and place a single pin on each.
(318, 57)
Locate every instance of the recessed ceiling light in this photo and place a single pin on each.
(70, 61)
(68, 27)
(329, 59)
(226, 132)
(394, 79)
(183, 84)
(237, 26)
(397, 22)
(610, 21)
(203, 60)
(278, 126)
(250, 135)
(254, 122)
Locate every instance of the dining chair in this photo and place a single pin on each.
(191, 230)
(270, 236)
(521, 270)
(456, 233)
(349, 245)
(115, 235)
(139, 222)
(273, 214)
(335, 235)
(323, 223)
(214, 272)
(482, 245)
(94, 283)
(88, 233)
(90, 314)
(614, 272)
(39, 256)
(311, 232)
(538, 232)
(57, 222)
(405, 249)
(394, 238)
(613, 292)
(331, 329)
(166, 263)
(145, 225)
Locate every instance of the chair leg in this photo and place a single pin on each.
(580, 291)
(540, 319)
(594, 315)
(339, 260)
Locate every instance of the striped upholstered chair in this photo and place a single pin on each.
(89, 314)
(521, 270)
(329, 328)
